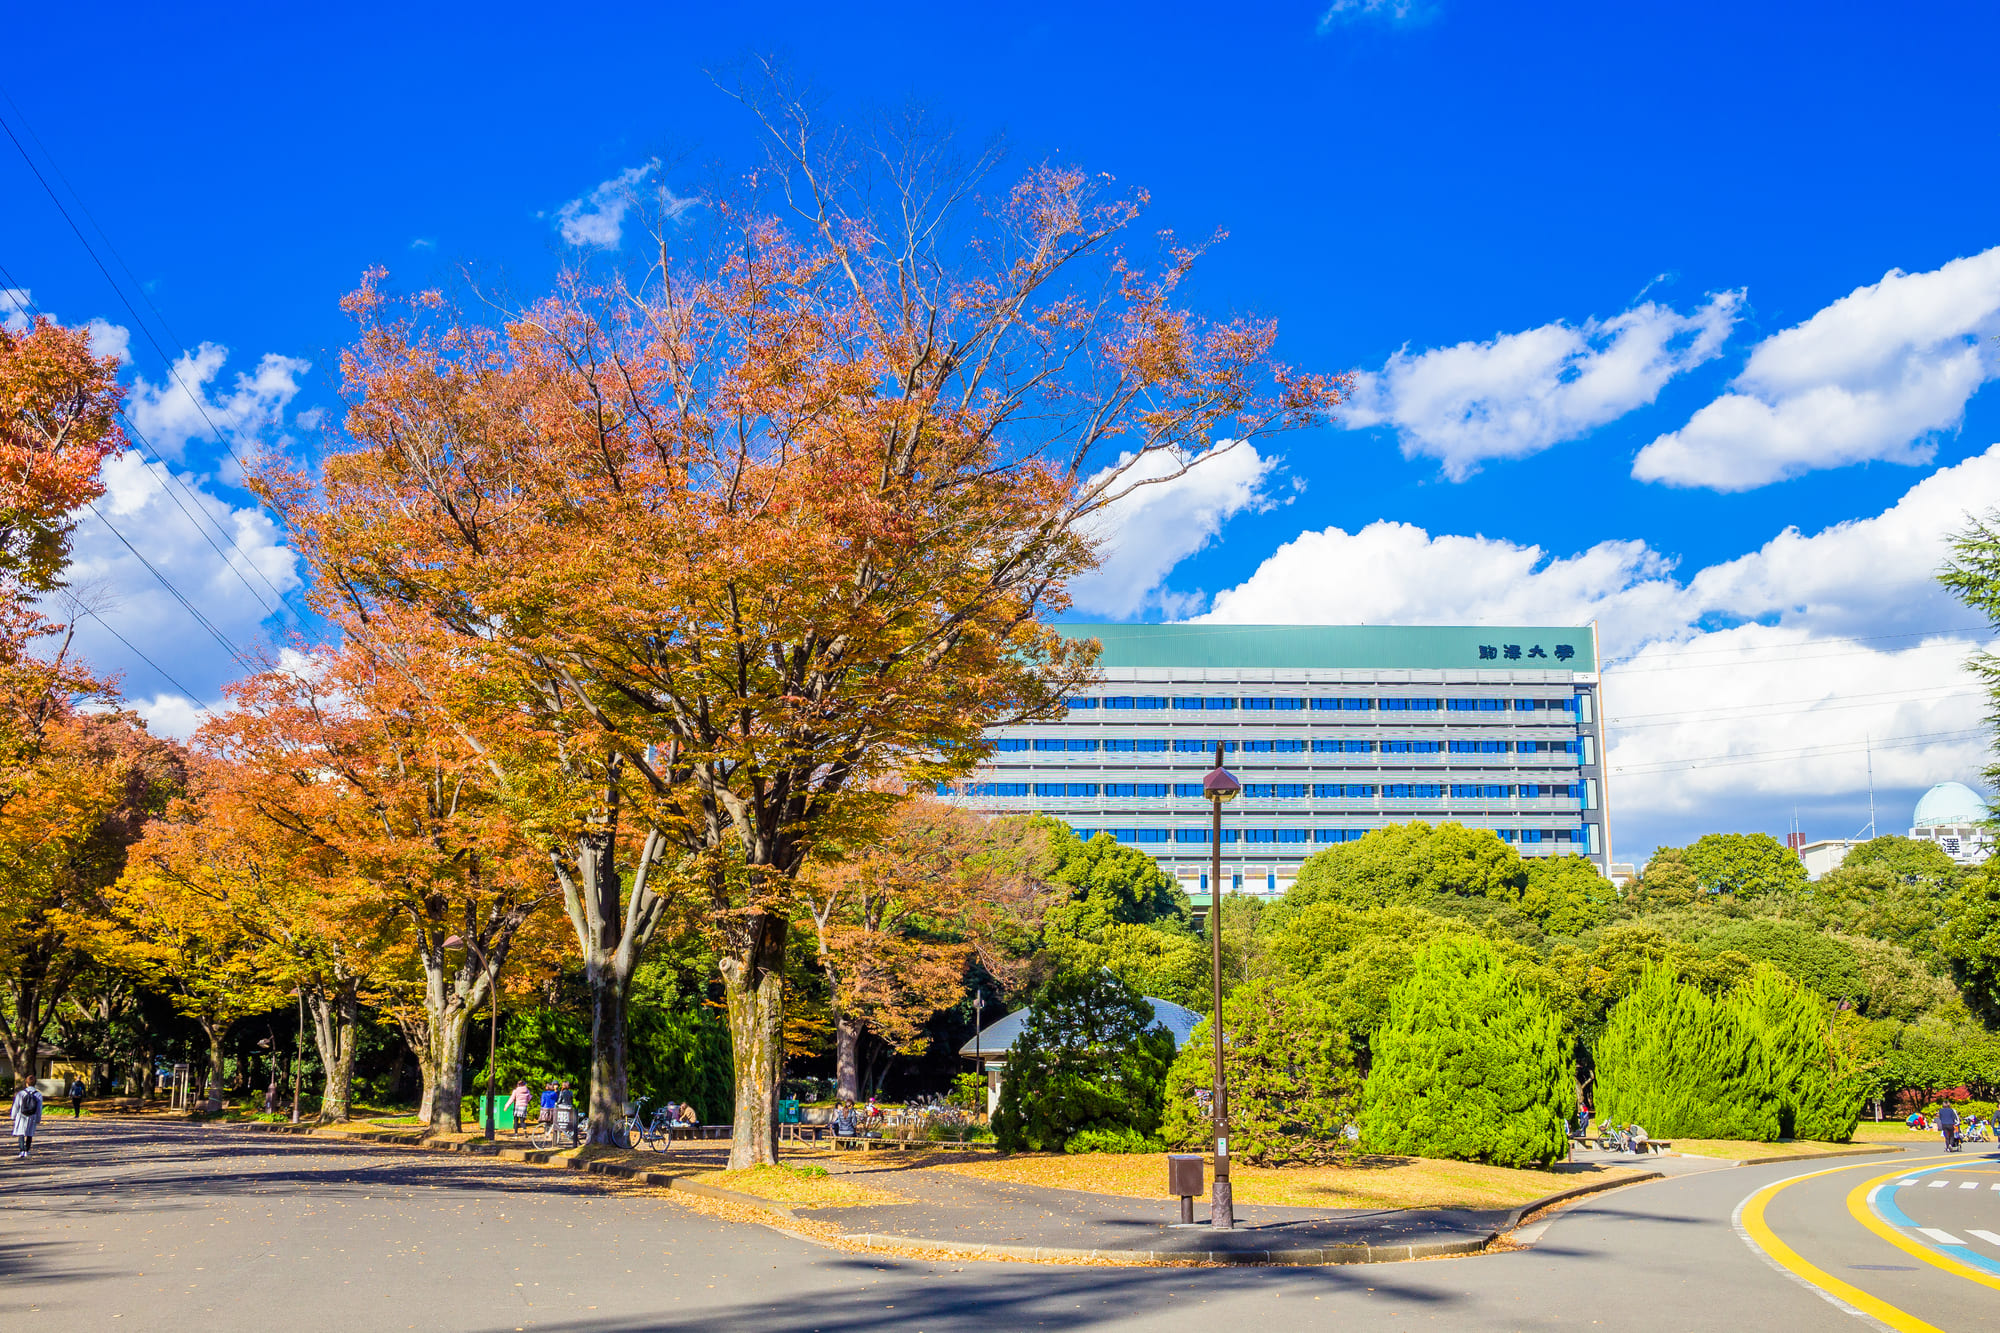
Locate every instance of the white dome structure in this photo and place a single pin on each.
(1948, 805)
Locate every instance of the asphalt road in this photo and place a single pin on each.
(118, 1224)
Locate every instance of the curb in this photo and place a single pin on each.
(1817, 1156)
(1533, 1206)
(1324, 1256)
(686, 1184)
(1328, 1255)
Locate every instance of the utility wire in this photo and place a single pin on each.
(1737, 712)
(174, 483)
(191, 696)
(229, 647)
(173, 368)
(1808, 752)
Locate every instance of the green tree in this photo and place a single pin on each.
(1667, 881)
(1874, 900)
(1819, 961)
(1293, 1089)
(1913, 860)
(1685, 1065)
(1090, 1060)
(1452, 868)
(1969, 939)
(1108, 883)
(1470, 1065)
(1818, 1092)
(1566, 894)
(1745, 865)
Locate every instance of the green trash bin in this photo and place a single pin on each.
(788, 1111)
(503, 1114)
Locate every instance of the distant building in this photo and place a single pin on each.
(1334, 730)
(992, 1044)
(1623, 875)
(1953, 816)
(1826, 854)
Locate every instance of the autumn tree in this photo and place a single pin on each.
(59, 408)
(80, 791)
(731, 540)
(340, 755)
(287, 894)
(897, 921)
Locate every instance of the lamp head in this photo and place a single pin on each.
(1219, 784)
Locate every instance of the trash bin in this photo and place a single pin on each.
(788, 1111)
(1184, 1179)
(503, 1114)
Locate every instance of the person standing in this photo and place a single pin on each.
(521, 1096)
(27, 1115)
(75, 1098)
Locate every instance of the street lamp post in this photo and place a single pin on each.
(298, 1052)
(1219, 785)
(492, 1021)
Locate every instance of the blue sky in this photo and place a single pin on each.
(1605, 210)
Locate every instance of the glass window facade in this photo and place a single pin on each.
(1333, 731)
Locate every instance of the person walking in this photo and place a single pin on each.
(75, 1098)
(521, 1096)
(27, 1116)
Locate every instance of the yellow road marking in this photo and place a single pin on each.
(1857, 1203)
(1786, 1257)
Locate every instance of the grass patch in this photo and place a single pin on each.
(399, 1121)
(1741, 1150)
(1367, 1182)
(799, 1186)
(1893, 1131)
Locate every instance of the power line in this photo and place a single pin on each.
(1807, 752)
(200, 619)
(173, 481)
(191, 696)
(173, 368)
(1734, 712)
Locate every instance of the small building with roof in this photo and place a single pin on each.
(991, 1044)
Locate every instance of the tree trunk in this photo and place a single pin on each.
(334, 1018)
(215, 1032)
(448, 1084)
(846, 1068)
(753, 981)
(609, 1074)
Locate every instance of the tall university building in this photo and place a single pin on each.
(1332, 729)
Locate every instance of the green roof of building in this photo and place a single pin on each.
(1333, 647)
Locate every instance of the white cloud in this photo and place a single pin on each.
(17, 304)
(1877, 375)
(1392, 12)
(169, 715)
(1523, 392)
(183, 408)
(1155, 527)
(1849, 638)
(111, 579)
(598, 218)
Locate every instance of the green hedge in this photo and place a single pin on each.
(1470, 1065)
(1757, 1064)
(1293, 1090)
(1089, 1059)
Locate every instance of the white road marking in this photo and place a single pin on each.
(1935, 1184)
(1965, 1185)
(1986, 1236)
(1941, 1237)
(1911, 1181)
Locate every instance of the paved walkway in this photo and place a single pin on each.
(947, 1207)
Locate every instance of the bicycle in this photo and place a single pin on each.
(639, 1131)
(558, 1131)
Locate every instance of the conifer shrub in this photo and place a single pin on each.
(1292, 1086)
(1470, 1064)
(1686, 1065)
(1817, 1088)
(1089, 1058)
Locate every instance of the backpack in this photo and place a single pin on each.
(31, 1101)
